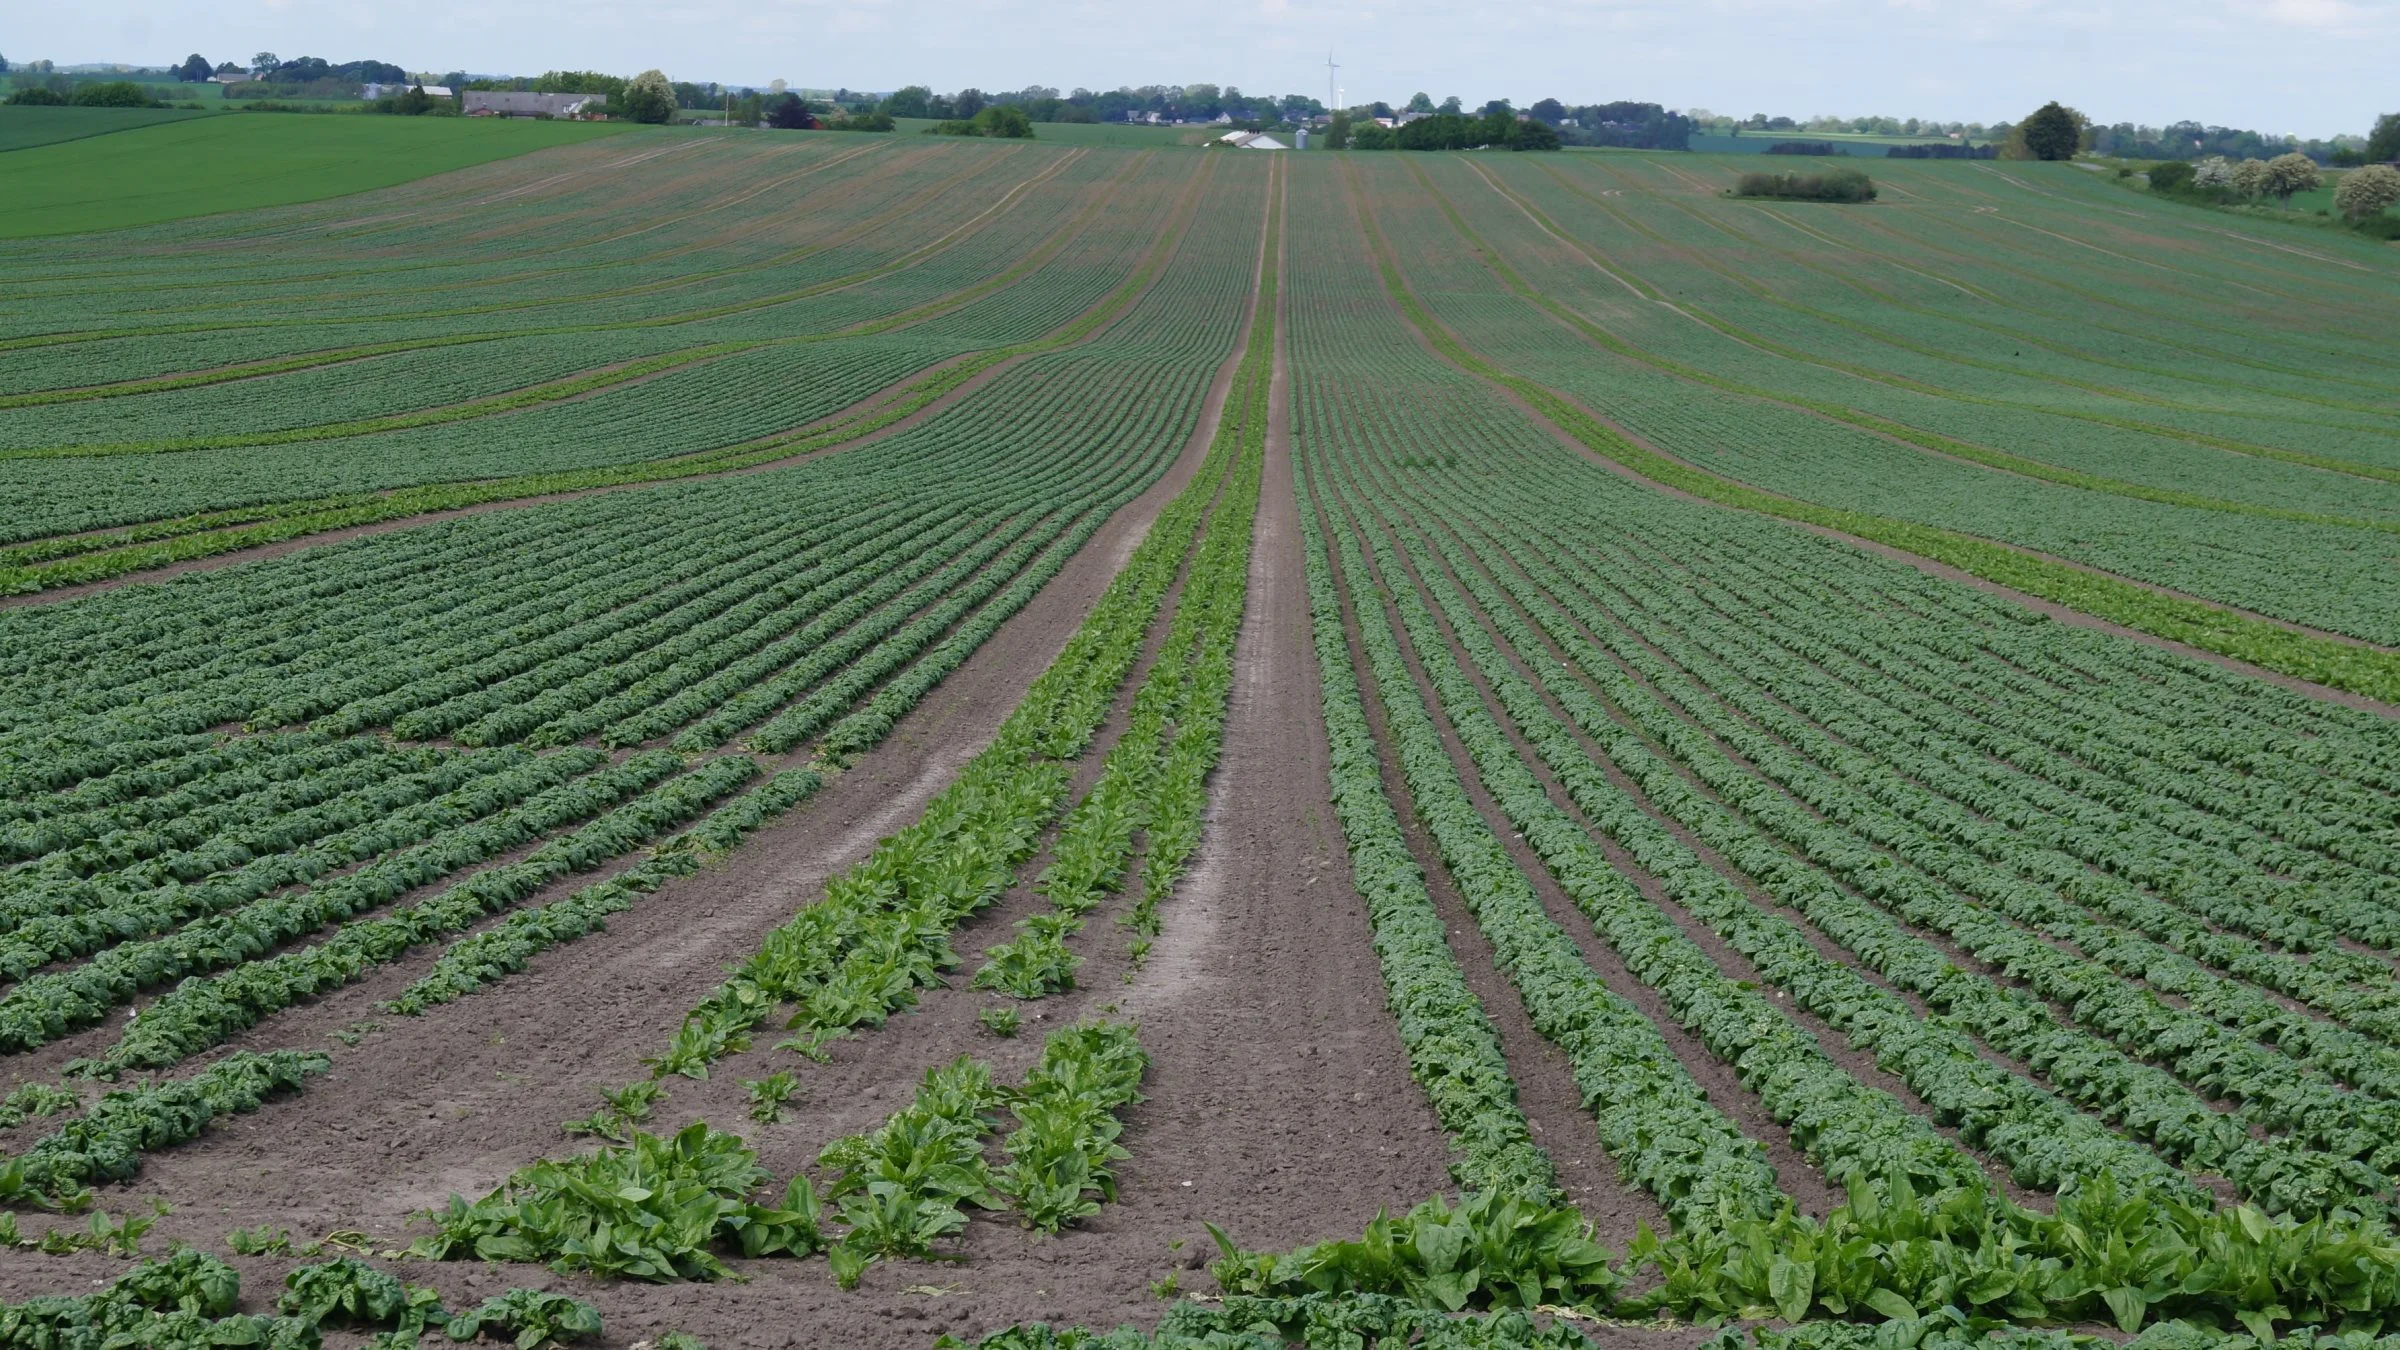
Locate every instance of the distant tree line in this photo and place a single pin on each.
(1041, 103)
(1634, 126)
(1938, 150)
(88, 94)
(2362, 197)
(1804, 148)
(1496, 127)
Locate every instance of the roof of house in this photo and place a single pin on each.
(1262, 141)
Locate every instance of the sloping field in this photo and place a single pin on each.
(24, 127)
(825, 740)
(193, 165)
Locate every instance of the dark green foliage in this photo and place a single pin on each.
(654, 1209)
(112, 94)
(346, 1292)
(2053, 131)
(789, 112)
(1834, 185)
(1004, 121)
(2171, 176)
(36, 96)
(2383, 143)
(1490, 1251)
(530, 1317)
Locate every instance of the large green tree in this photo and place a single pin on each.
(2053, 131)
(195, 69)
(2383, 143)
(2367, 192)
(649, 97)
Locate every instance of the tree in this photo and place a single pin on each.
(112, 94)
(968, 102)
(1337, 132)
(413, 102)
(2369, 192)
(788, 112)
(913, 100)
(1004, 120)
(1453, 104)
(2215, 171)
(2288, 174)
(1533, 134)
(2054, 131)
(1548, 110)
(1420, 102)
(2383, 143)
(3, 65)
(2172, 175)
(2248, 178)
(194, 70)
(649, 97)
(34, 95)
(264, 64)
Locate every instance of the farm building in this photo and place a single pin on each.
(507, 103)
(1251, 140)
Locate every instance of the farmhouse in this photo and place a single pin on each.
(506, 103)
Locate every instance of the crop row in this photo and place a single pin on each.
(2208, 1057)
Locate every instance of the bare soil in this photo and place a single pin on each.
(1279, 1102)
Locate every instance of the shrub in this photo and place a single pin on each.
(2172, 175)
(1836, 185)
(35, 96)
(2367, 193)
(112, 94)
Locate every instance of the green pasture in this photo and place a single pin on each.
(204, 165)
(23, 128)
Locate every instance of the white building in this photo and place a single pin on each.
(1250, 140)
(371, 92)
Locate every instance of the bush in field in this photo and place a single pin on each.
(2248, 179)
(2368, 192)
(1834, 185)
(112, 94)
(2053, 131)
(2172, 175)
(2289, 174)
(648, 97)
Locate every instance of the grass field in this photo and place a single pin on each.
(23, 128)
(943, 734)
(237, 163)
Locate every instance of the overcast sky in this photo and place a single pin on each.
(2309, 67)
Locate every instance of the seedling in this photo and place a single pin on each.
(768, 1094)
